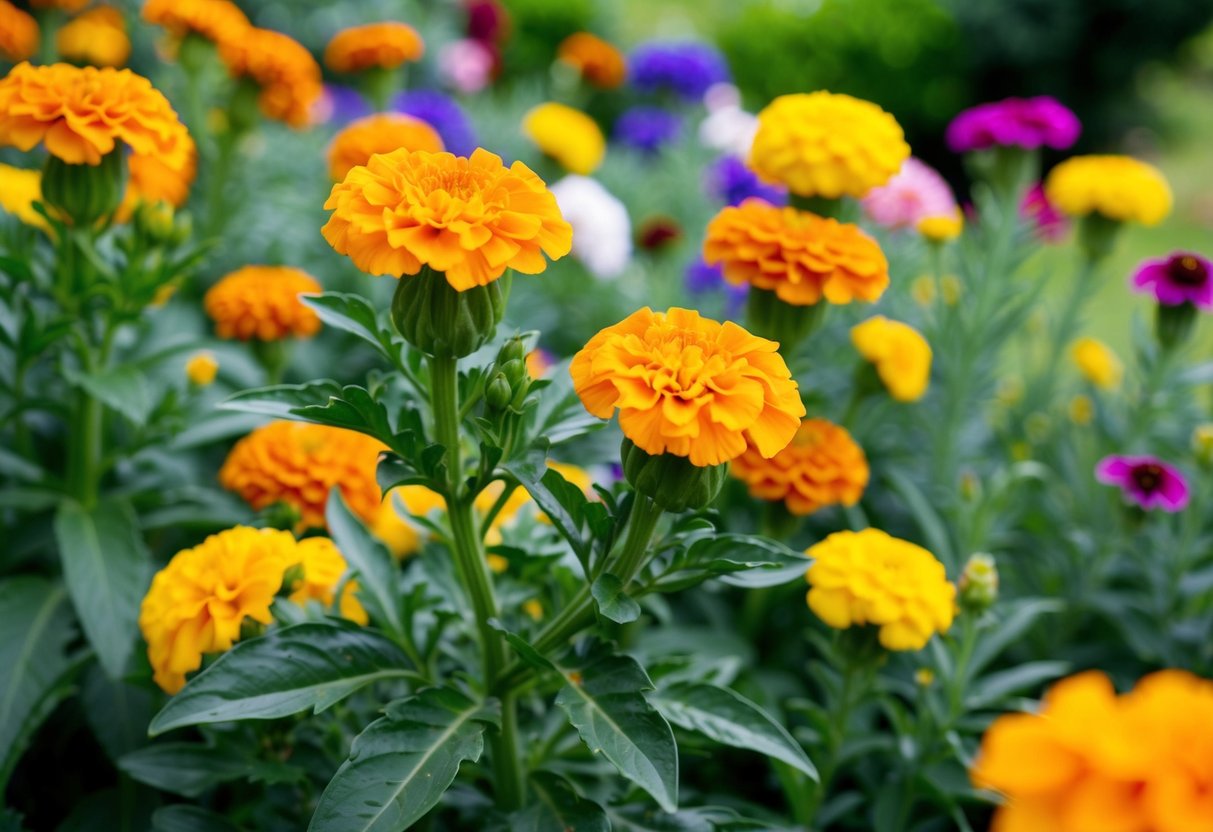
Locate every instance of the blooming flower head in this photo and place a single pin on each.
(442, 113)
(151, 180)
(202, 368)
(823, 466)
(901, 355)
(96, 37)
(373, 46)
(262, 302)
(1049, 224)
(828, 145)
(402, 537)
(378, 133)
(197, 603)
(915, 193)
(732, 182)
(285, 71)
(1180, 278)
(796, 254)
(1097, 363)
(218, 21)
(82, 113)
(869, 577)
(597, 61)
(602, 230)
(19, 33)
(567, 135)
(19, 190)
(941, 227)
(689, 386)
(1145, 480)
(1027, 123)
(685, 68)
(469, 218)
(323, 567)
(1119, 188)
(466, 65)
(647, 129)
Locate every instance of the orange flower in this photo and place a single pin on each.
(379, 133)
(799, 256)
(81, 114)
(262, 302)
(821, 467)
(66, 5)
(219, 21)
(153, 181)
(375, 45)
(299, 464)
(323, 568)
(689, 386)
(97, 37)
(599, 62)
(469, 218)
(19, 33)
(287, 73)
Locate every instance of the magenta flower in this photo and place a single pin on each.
(1026, 123)
(916, 193)
(1145, 480)
(1181, 278)
(1049, 224)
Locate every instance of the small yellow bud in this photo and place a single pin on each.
(978, 584)
(1009, 392)
(970, 486)
(923, 290)
(163, 295)
(498, 564)
(201, 369)
(1021, 451)
(534, 609)
(1097, 363)
(942, 229)
(949, 288)
(924, 676)
(1082, 410)
(1202, 443)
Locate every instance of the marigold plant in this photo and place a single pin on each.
(378, 133)
(19, 33)
(375, 45)
(1118, 188)
(567, 135)
(822, 466)
(98, 37)
(284, 70)
(262, 302)
(901, 355)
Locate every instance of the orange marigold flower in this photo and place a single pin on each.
(19, 34)
(197, 603)
(262, 302)
(82, 114)
(798, 255)
(823, 466)
(597, 61)
(469, 218)
(66, 5)
(96, 37)
(375, 45)
(299, 464)
(689, 386)
(901, 355)
(283, 68)
(219, 21)
(323, 568)
(379, 133)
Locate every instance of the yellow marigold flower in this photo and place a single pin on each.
(870, 577)
(400, 536)
(286, 72)
(470, 218)
(202, 368)
(497, 564)
(798, 255)
(82, 113)
(1082, 410)
(689, 386)
(569, 136)
(1117, 187)
(151, 180)
(218, 21)
(19, 190)
(533, 608)
(943, 228)
(901, 355)
(1097, 363)
(823, 466)
(378, 133)
(597, 61)
(375, 45)
(196, 604)
(323, 568)
(96, 37)
(19, 34)
(262, 302)
(827, 145)
(299, 464)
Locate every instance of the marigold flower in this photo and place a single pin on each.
(941, 229)
(218, 21)
(379, 133)
(19, 190)
(597, 61)
(869, 577)
(202, 368)
(400, 536)
(19, 33)
(70, 6)
(1180, 278)
(96, 37)
(323, 567)
(689, 386)
(82, 114)
(469, 218)
(569, 136)
(262, 302)
(375, 45)
(151, 180)
(828, 145)
(823, 466)
(197, 603)
(1146, 481)
(283, 68)
(1119, 188)
(1097, 363)
(901, 355)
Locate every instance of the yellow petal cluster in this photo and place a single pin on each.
(1118, 188)
(378, 133)
(151, 180)
(567, 135)
(901, 355)
(323, 567)
(97, 37)
(201, 369)
(1097, 363)
(19, 190)
(822, 466)
(262, 302)
(400, 536)
(375, 45)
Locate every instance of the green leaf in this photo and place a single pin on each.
(106, 568)
(607, 707)
(522, 647)
(747, 561)
(183, 818)
(730, 719)
(704, 819)
(933, 529)
(403, 763)
(1006, 625)
(997, 686)
(117, 711)
(122, 388)
(563, 502)
(311, 665)
(378, 589)
(190, 769)
(356, 315)
(281, 400)
(613, 602)
(558, 808)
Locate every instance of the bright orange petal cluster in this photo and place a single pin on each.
(219, 21)
(901, 355)
(286, 72)
(823, 466)
(469, 218)
(1089, 760)
(97, 37)
(375, 45)
(689, 386)
(19, 33)
(598, 62)
(323, 568)
(82, 114)
(153, 181)
(262, 302)
(379, 133)
(798, 255)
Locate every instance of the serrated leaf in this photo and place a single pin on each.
(560, 500)
(378, 589)
(353, 314)
(522, 647)
(190, 769)
(613, 601)
(558, 808)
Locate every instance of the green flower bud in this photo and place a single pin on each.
(1097, 235)
(672, 482)
(515, 372)
(769, 317)
(1173, 324)
(498, 393)
(85, 193)
(512, 350)
(978, 584)
(441, 321)
(155, 220)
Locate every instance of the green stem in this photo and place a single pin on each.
(1063, 333)
(834, 739)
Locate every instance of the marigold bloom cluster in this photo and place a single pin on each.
(323, 567)
(1026, 123)
(469, 218)
(569, 136)
(1091, 760)
(869, 577)
(1119, 188)
(901, 355)
(822, 466)
(218, 21)
(376, 45)
(689, 386)
(597, 61)
(19, 33)
(827, 145)
(1146, 481)
(286, 72)
(378, 133)
(798, 255)
(916, 193)
(262, 302)
(19, 190)
(1097, 363)
(1182, 277)
(97, 37)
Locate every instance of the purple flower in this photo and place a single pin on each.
(1027, 123)
(443, 114)
(731, 181)
(647, 129)
(702, 279)
(1145, 480)
(687, 68)
(1181, 278)
(1049, 224)
(340, 105)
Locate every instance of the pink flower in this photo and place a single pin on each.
(1026, 123)
(914, 194)
(1049, 224)
(466, 65)
(1145, 480)
(1181, 278)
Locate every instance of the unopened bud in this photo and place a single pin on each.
(498, 393)
(978, 584)
(1202, 444)
(155, 220)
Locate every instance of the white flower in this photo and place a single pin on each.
(602, 231)
(727, 128)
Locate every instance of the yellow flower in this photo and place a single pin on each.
(378, 133)
(869, 577)
(96, 37)
(1097, 363)
(201, 368)
(197, 603)
(497, 564)
(286, 72)
(218, 21)
(901, 355)
(375, 45)
(689, 386)
(1202, 443)
(1117, 187)
(827, 145)
(323, 568)
(533, 608)
(597, 61)
(823, 466)
(19, 190)
(569, 136)
(924, 677)
(1082, 410)
(400, 536)
(19, 33)
(262, 302)
(942, 229)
